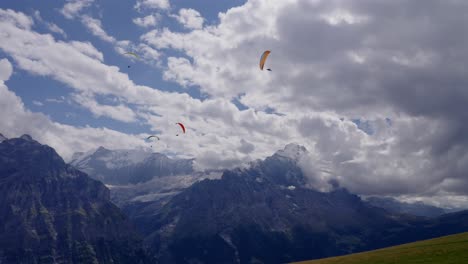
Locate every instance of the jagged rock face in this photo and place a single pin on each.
(280, 169)
(252, 216)
(53, 213)
(240, 220)
(121, 167)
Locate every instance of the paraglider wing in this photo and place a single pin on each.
(181, 126)
(133, 54)
(148, 138)
(263, 58)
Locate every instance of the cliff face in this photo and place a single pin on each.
(262, 215)
(53, 213)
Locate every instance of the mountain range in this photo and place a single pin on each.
(417, 208)
(139, 175)
(264, 214)
(51, 212)
(121, 167)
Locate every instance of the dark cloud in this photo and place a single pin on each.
(409, 61)
(246, 147)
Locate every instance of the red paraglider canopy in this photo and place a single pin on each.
(182, 126)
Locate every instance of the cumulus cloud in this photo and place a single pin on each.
(189, 18)
(56, 29)
(37, 103)
(146, 53)
(6, 69)
(19, 20)
(95, 27)
(17, 120)
(88, 49)
(78, 68)
(147, 21)
(118, 112)
(246, 147)
(152, 4)
(61, 100)
(50, 26)
(73, 7)
(333, 62)
(347, 61)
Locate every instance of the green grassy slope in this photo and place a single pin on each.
(444, 250)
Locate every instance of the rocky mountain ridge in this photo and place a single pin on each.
(52, 213)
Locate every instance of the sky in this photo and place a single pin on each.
(375, 90)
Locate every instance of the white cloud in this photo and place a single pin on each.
(152, 4)
(338, 60)
(56, 29)
(164, 39)
(180, 71)
(95, 27)
(441, 199)
(340, 16)
(73, 7)
(190, 18)
(146, 53)
(17, 120)
(19, 20)
(37, 103)
(117, 112)
(88, 49)
(147, 21)
(55, 100)
(324, 75)
(50, 26)
(5, 70)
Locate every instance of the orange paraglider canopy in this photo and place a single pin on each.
(263, 58)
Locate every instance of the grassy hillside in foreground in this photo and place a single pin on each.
(451, 249)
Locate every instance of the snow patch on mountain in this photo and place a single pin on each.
(123, 158)
(157, 188)
(114, 159)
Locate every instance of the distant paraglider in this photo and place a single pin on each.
(182, 127)
(263, 59)
(152, 139)
(133, 54)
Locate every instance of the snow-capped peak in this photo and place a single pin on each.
(124, 166)
(292, 151)
(80, 157)
(112, 158)
(121, 158)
